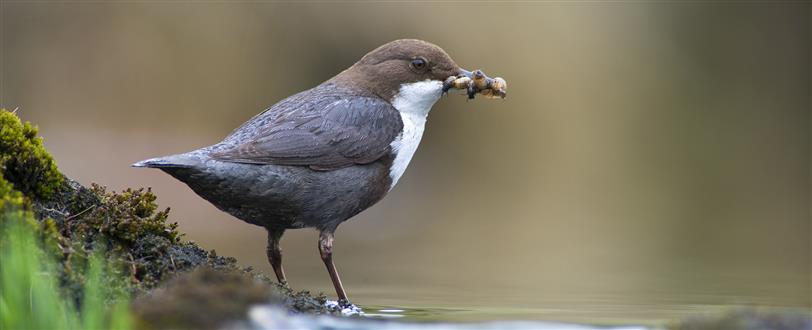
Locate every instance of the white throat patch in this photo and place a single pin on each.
(414, 102)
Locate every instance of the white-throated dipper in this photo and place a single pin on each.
(319, 157)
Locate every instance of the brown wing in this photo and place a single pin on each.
(329, 133)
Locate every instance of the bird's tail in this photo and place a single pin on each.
(174, 161)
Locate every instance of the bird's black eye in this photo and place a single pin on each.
(419, 64)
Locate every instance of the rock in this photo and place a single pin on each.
(176, 283)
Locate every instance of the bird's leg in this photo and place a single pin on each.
(275, 254)
(326, 251)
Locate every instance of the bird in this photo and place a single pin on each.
(321, 156)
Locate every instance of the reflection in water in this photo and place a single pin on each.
(572, 308)
(413, 314)
(271, 317)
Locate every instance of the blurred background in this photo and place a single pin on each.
(651, 159)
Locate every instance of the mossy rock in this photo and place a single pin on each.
(23, 159)
(74, 221)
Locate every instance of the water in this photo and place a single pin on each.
(270, 317)
(654, 310)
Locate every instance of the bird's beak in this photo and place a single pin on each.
(464, 73)
(476, 82)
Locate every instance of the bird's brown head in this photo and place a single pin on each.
(383, 70)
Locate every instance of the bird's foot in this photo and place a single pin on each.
(345, 307)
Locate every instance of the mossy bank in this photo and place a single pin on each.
(153, 263)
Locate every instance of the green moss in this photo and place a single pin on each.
(24, 161)
(122, 218)
(15, 210)
(74, 220)
(71, 221)
(127, 225)
(10, 199)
